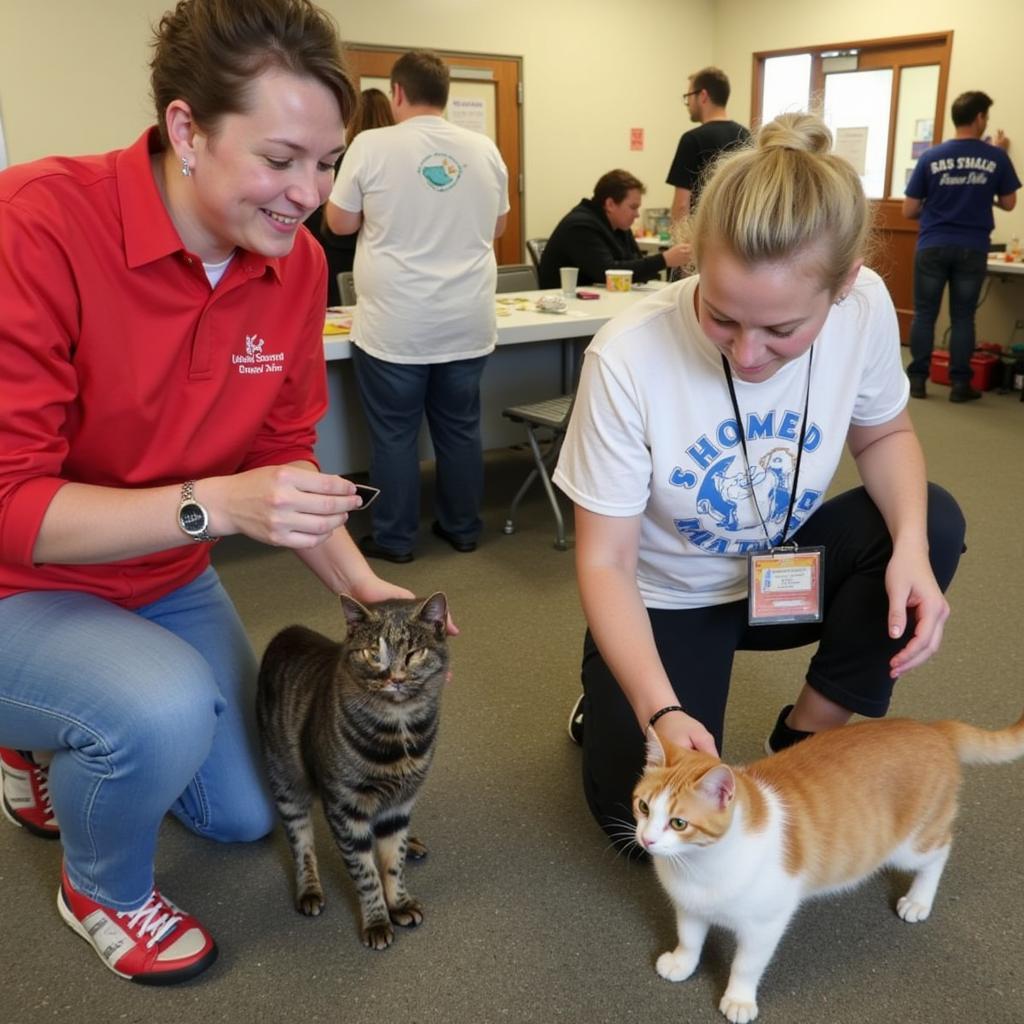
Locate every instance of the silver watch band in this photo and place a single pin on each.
(188, 497)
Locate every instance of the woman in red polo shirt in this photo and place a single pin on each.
(161, 319)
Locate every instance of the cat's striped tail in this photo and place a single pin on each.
(981, 746)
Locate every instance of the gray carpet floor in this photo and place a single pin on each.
(530, 917)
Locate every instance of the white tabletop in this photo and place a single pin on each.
(524, 323)
(998, 265)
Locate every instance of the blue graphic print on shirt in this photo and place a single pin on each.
(729, 501)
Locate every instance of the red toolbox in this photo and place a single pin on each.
(984, 369)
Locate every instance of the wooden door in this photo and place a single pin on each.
(469, 72)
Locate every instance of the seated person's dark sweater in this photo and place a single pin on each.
(585, 239)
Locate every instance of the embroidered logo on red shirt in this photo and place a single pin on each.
(256, 360)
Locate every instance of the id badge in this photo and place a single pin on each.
(785, 586)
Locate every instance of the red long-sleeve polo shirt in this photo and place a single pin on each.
(119, 366)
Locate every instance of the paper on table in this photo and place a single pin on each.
(338, 322)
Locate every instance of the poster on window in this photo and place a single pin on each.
(852, 145)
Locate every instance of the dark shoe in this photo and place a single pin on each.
(917, 388)
(576, 722)
(782, 735)
(372, 549)
(963, 393)
(460, 545)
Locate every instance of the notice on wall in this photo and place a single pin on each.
(852, 145)
(469, 112)
(636, 138)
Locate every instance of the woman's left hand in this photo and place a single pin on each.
(912, 588)
(373, 588)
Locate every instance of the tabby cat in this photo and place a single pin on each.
(743, 847)
(356, 722)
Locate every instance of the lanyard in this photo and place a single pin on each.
(746, 457)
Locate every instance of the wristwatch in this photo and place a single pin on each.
(193, 517)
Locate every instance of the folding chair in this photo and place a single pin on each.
(535, 248)
(516, 277)
(539, 418)
(347, 287)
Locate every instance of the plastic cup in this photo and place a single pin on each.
(568, 276)
(618, 280)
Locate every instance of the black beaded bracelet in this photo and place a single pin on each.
(663, 711)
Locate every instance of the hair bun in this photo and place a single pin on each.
(801, 131)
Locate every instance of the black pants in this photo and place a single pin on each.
(697, 646)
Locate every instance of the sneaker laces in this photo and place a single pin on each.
(41, 773)
(155, 917)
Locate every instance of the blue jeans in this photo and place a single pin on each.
(395, 397)
(146, 711)
(964, 270)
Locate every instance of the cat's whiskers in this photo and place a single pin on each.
(622, 832)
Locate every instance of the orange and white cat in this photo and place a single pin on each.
(741, 848)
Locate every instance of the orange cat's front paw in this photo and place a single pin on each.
(739, 1011)
(677, 964)
(911, 911)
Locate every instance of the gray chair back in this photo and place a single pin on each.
(535, 248)
(519, 277)
(347, 287)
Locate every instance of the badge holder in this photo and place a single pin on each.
(785, 585)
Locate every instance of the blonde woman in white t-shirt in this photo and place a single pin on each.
(708, 424)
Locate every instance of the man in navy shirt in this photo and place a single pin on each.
(952, 190)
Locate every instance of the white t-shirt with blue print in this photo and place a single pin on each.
(430, 193)
(653, 433)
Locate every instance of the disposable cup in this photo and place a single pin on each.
(618, 280)
(569, 276)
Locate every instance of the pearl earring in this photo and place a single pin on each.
(186, 171)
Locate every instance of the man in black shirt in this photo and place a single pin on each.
(706, 98)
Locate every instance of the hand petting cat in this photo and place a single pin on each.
(682, 731)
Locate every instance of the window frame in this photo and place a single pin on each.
(896, 52)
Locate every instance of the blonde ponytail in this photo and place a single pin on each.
(785, 193)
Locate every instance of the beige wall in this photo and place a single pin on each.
(987, 41)
(73, 77)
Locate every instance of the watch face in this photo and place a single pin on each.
(192, 517)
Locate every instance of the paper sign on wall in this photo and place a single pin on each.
(468, 112)
(636, 138)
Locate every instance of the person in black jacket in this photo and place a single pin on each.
(595, 236)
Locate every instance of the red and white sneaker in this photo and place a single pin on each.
(26, 793)
(158, 944)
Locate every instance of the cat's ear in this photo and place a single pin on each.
(718, 786)
(655, 751)
(354, 611)
(435, 611)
